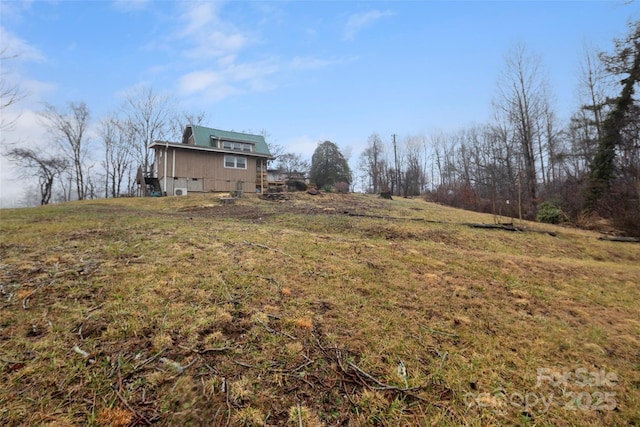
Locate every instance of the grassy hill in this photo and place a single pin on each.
(316, 310)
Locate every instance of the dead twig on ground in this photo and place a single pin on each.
(226, 390)
(144, 363)
(136, 413)
(10, 361)
(620, 239)
(177, 366)
(245, 365)
(438, 332)
(266, 247)
(207, 350)
(379, 384)
(273, 331)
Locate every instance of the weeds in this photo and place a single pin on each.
(307, 311)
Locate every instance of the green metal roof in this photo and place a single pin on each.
(202, 137)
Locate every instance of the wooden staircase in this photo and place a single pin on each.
(152, 187)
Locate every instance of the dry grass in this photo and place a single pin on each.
(184, 311)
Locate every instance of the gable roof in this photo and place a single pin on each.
(202, 137)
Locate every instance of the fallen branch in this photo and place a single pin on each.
(504, 226)
(438, 332)
(443, 357)
(304, 365)
(620, 239)
(508, 227)
(144, 363)
(175, 365)
(273, 331)
(207, 350)
(358, 376)
(266, 247)
(10, 361)
(137, 414)
(226, 391)
(245, 365)
(379, 384)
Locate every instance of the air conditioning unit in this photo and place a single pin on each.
(179, 191)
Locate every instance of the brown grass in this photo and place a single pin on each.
(181, 310)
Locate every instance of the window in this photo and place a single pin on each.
(236, 146)
(235, 162)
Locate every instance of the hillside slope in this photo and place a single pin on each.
(316, 310)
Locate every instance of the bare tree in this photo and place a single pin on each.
(179, 121)
(593, 85)
(46, 169)
(373, 163)
(292, 165)
(9, 93)
(68, 129)
(118, 140)
(522, 98)
(620, 128)
(149, 116)
(414, 177)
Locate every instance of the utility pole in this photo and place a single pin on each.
(395, 160)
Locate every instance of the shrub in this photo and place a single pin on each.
(295, 185)
(549, 213)
(342, 187)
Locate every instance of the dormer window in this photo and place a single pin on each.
(237, 146)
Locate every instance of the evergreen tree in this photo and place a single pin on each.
(328, 166)
(625, 61)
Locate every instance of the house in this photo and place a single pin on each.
(211, 160)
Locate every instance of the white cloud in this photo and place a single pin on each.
(199, 16)
(18, 49)
(214, 49)
(35, 90)
(217, 84)
(216, 44)
(14, 9)
(206, 34)
(199, 80)
(253, 74)
(358, 21)
(303, 144)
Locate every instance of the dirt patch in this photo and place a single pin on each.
(229, 211)
(295, 203)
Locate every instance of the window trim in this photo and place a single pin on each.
(243, 147)
(228, 157)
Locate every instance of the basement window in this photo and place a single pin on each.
(235, 162)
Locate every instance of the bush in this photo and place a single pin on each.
(549, 213)
(342, 187)
(295, 185)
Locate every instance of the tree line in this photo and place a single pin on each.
(522, 162)
(525, 161)
(69, 170)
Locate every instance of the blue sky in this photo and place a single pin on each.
(304, 71)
